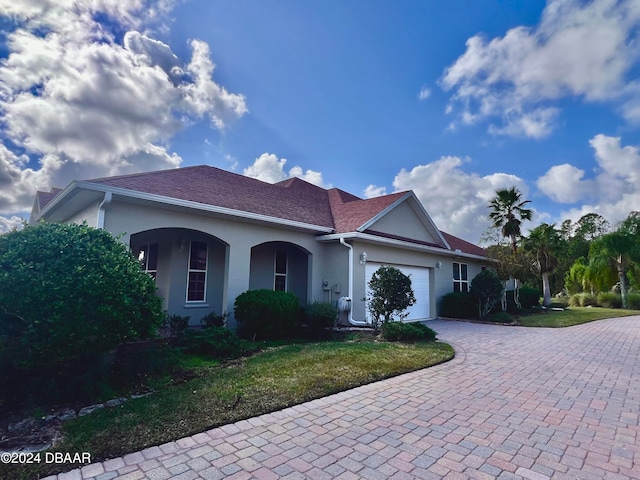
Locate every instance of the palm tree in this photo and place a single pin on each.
(613, 254)
(543, 242)
(507, 213)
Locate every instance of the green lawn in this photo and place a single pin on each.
(573, 316)
(207, 394)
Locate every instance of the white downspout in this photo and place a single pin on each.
(101, 209)
(357, 323)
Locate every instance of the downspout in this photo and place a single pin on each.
(357, 323)
(101, 209)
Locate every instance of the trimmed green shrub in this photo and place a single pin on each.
(487, 288)
(320, 315)
(609, 300)
(407, 332)
(529, 296)
(391, 295)
(267, 314)
(500, 317)
(633, 301)
(213, 320)
(217, 342)
(458, 305)
(72, 291)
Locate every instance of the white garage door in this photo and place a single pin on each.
(419, 282)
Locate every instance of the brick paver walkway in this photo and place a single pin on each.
(515, 403)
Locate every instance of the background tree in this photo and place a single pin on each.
(508, 211)
(391, 295)
(544, 244)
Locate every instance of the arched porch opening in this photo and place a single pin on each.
(190, 268)
(281, 266)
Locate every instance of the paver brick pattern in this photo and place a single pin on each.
(515, 403)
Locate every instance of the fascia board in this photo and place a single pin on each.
(57, 201)
(368, 238)
(154, 198)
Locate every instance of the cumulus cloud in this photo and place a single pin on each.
(76, 102)
(456, 201)
(614, 190)
(373, 191)
(579, 49)
(269, 168)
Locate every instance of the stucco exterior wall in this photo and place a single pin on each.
(404, 221)
(88, 214)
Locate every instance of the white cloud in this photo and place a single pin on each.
(82, 105)
(613, 192)
(373, 191)
(269, 168)
(583, 50)
(424, 93)
(456, 201)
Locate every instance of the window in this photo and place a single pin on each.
(148, 258)
(197, 276)
(280, 277)
(460, 277)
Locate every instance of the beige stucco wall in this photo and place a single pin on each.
(404, 221)
(88, 214)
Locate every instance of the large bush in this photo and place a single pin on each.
(267, 314)
(320, 315)
(70, 291)
(529, 297)
(391, 295)
(458, 305)
(487, 288)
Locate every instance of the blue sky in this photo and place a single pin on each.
(451, 99)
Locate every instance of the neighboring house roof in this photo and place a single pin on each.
(292, 199)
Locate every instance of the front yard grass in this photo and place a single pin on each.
(572, 316)
(206, 394)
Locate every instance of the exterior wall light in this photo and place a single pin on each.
(438, 265)
(363, 258)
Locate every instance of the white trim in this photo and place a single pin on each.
(189, 270)
(367, 237)
(150, 197)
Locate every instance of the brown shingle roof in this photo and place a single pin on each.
(292, 199)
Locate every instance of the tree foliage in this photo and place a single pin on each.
(487, 289)
(391, 295)
(544, 244)
(507, 213)
(70, 291)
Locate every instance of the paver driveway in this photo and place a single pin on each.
(514, 403)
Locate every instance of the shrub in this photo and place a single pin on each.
(529, 296)
(320, 315)
(217, 342)
(177, 324)
(574, 300)
(500, 317)
(609, 300)
(407, 332)
(633, 301)
(486, 287)
(214, 320)
(267, 314)
(72, 291)
(458, 305)
(391, 295)
(588, 300)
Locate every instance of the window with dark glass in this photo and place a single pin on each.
(148, 258)
(460, 277)
(280, 277)
(197, 276)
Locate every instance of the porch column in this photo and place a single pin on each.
(237, 276)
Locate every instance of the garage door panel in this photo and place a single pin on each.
(419, 283)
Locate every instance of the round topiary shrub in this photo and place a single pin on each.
(70, 291)
(267, 314)
(320, 315)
